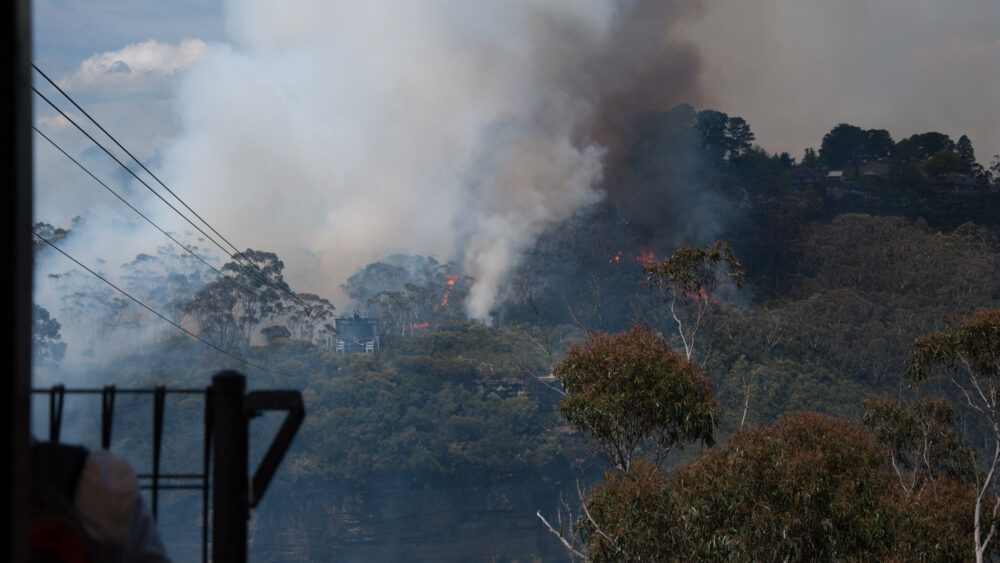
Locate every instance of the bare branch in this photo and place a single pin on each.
(568, 545)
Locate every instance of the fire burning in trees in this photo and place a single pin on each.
(644, 257)
(700, 295)
(450, 285)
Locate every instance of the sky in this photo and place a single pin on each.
(338, 133)
(796, 68)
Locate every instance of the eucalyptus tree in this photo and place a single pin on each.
(630, 390)
(968, 356)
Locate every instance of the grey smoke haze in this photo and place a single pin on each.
(350, 131)
(400, 102)
(795, 69)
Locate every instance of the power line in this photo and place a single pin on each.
(235, 257)
(140, 214)
(151, 310)
(115, 141)
(155, 177)
(130, 171)
(239, 257)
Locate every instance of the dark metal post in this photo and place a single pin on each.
(206, 464)
(107, 415)
(159, 395)
(230, 509)
(56, 396)
(16, 255)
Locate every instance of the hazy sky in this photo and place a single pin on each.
(796, 68)
(497, 85)
(792, 68)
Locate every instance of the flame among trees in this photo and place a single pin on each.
(686, 281)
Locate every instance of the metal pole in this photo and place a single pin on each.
(107, 415)
(56, 396)
(17, 256)
(230, 509)
(206, 464)
(158, 399)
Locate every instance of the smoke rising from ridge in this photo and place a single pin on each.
(461, 130)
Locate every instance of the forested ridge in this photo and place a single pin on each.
(839, 276)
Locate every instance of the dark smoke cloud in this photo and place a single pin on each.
(350, 131)
(645, 67)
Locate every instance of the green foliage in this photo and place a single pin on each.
(631, 388)
(686, 281)
(810, 158)
(969, 354)
(448, 404)
(843, 146)
(809, 488)
(274, 332)
(966, 154)
(690, 271)
(630, 517)
(851, 146)
(970, 351)
(229, 310)
(758, 168)
(711, 126)
(857, 292)
(936, 526)
(878, 144)
(47, 346)
(722, 138)
(740, 137)
(49, 233)
(921, 440)
(922, 146)
(445, 403)
(944, 162)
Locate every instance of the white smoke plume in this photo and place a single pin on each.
(336, 133)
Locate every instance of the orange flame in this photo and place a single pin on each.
(645, 257)
(416, 326)
(699, 295)
(451, 284)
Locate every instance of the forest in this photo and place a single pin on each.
(733, 355)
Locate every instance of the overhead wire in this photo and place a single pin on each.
(141, 214)
(244, 361)
(237, 256)
(137, 161)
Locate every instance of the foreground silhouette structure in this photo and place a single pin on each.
(229, 492)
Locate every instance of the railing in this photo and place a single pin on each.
(228, 410)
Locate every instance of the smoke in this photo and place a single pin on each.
(349, 131)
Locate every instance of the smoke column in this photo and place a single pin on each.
(338, 133)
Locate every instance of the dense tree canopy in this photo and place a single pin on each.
(630, 389)
(687, 280)
(47, 346)
(809, 488)
(969, 356)
(844, 145)
(843, 274)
